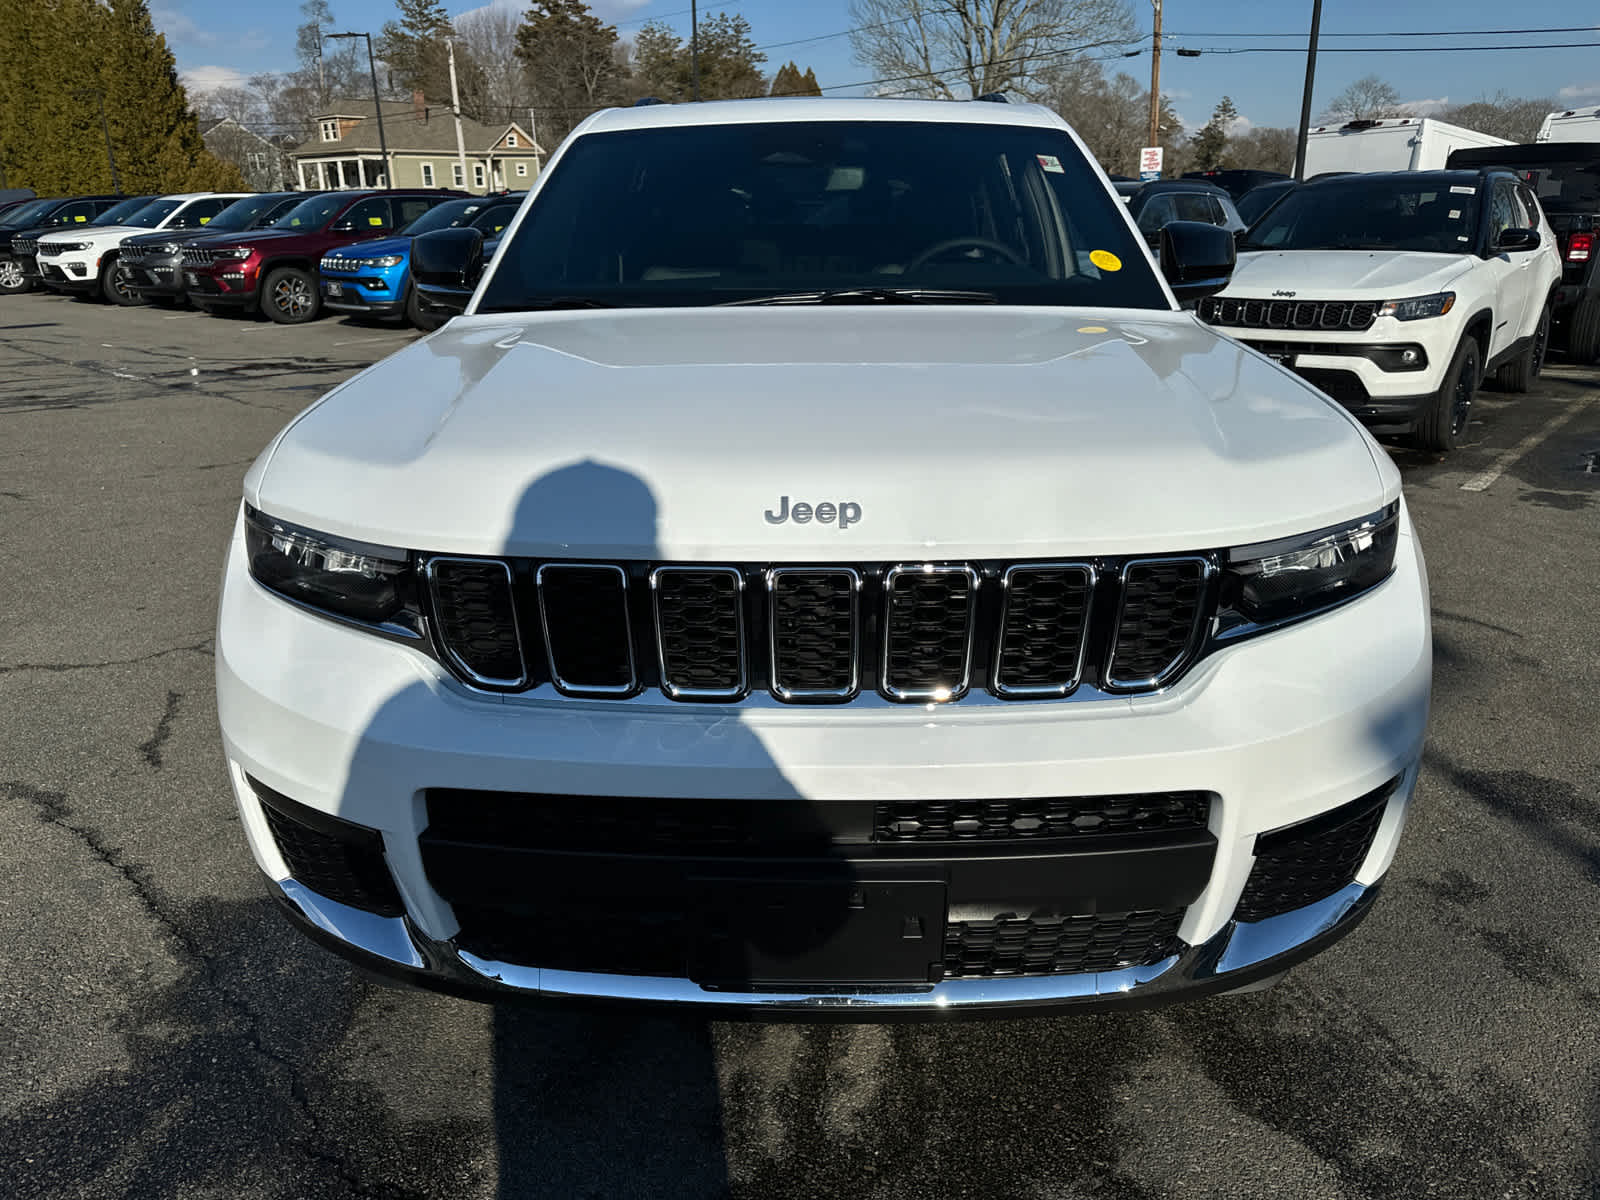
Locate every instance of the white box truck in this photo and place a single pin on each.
(1392, 144)
(1573, 125)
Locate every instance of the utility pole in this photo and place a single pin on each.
(455, 107)
(1305, 101)
(694, 46)
(533, 133)
(322, 83)
(1155, 80)
(377, 104)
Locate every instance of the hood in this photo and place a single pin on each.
(955, 432)
(251, 237)
(94, 233)
(374, 247)
(1343, 274)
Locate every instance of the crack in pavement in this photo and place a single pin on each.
(54, 810)
(204, 647)
(151, 749)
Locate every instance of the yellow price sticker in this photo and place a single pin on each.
(374, 220)
(205, 220)
(1105, 260)
(80, 218)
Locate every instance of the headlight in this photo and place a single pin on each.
(387, 260)
(68, 247)
(1277, 581)
(235, 252)
(366, 583)
(1418, 307)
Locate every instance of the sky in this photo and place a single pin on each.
(220, 43)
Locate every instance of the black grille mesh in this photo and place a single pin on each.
(1162, 601)
(698, 622)
(927, 634)
(346, 871)
(586, 621)
(1288, 314)
(474, 607)
(1060, 945)
(1053, 817)
(1311, 861)
(813, 650)
(1046, 618)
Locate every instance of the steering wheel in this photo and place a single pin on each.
(974, 243)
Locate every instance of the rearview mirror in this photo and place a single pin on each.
(1517, 239)
(1197, 259)
(445, 266)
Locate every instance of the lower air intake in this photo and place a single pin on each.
(1060, 945)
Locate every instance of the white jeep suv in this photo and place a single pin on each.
(1397, 294)
(824, 570)
(84, 258)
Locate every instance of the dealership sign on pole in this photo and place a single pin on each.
(1150, 162)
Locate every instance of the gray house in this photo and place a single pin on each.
(261, 159)
(343, 151)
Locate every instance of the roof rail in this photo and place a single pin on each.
(647, 101)
(995, 98)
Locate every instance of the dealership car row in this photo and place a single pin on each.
(285, 254)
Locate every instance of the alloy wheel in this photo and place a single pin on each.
(1461, 402)
(292, 297)
(10, 274)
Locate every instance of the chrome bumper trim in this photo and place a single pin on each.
(1238, 955)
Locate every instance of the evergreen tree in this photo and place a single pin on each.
(790, 82)
(1210, 145)
(415, 50)
(573, 65)
(730, 64)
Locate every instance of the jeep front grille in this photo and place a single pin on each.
(909, 633)
(24, 247)
(49, 249)
(1345, 315)
(193, 256)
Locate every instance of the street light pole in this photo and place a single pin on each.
(1305, 101)
(377, 105)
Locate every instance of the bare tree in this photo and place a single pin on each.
(1514, 118)
(1366, 99)
(947, 49)
(1112, 116)
(499, 87)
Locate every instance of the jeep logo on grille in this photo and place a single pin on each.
(1281, 292)
(845, 512)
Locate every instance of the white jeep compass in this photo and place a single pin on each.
(823, 570)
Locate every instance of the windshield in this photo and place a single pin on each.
(1565, 187)
(313, 213)
(118, 213)
(153, 214)
(1383, 213)
(879, 209)
(24, 215)
(1256, 201)
(442, 216)
(243, 214)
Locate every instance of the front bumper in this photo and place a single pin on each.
(231, 283)
(1278, 729)
(154, 279)
(362, 295)
(69, 274)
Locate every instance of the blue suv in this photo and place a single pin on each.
(373, 279)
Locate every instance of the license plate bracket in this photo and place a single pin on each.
(830, 932)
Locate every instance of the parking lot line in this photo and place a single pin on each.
(1482, 481)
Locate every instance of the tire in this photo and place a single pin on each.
(12, 281)
(1441, 426)
(421, 318)
(113, 290)
(1518, 375)
(1583, 331)
(289, 296)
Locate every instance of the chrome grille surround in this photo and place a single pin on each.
(662, 578)
(1009, 581)
(1182, 656)
(777, 578)
(927, 572)
(545, 581)
(1343, 315)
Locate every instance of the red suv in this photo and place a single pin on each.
(276, 268)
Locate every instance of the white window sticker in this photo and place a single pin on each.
(1459, 238)
(1458, 190)
(1052, 164)
(1455, 214)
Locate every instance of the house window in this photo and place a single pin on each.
(511, 141)
(258, 162)
(477, 174)
(522, 170)
(456, 177)
(330, 131)
(427, 174)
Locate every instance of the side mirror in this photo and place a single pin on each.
(1197, 259)
(1517, 239)
(445, 266)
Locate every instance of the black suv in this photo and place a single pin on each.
(34, 217)
(152, 263)
(1566, 178)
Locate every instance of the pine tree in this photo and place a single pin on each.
(1210, 145)
(414, 47)
(790, 82)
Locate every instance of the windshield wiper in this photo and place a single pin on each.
(872, 295)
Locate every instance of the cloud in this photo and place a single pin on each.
(181, 30)
(1580, 91)
(200, 80)
(606, 10)
(1176, 94)
(1424, 108)
(1240, 124)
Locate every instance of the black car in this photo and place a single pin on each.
(1253, 205)
(151, 262)
(34, 217)
(1236, 182)
(1162, 201)
(1565, 176)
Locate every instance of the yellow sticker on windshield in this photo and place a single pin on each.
(205, 220)
(1091, 329)
(1105, 260)
(80, 219)
(374, 220)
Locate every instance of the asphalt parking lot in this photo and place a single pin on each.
(168, 1034)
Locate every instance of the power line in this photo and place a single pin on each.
(1389, 49)
(1301, 34)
